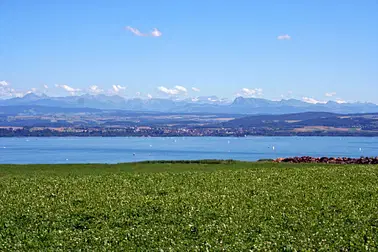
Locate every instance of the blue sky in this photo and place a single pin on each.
(223, 48)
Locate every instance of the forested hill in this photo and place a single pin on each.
(308, 119)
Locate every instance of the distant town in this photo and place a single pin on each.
(144, 131)
(35, 116)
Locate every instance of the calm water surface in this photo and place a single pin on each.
(129, 149)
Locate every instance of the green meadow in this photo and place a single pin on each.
(214, 206)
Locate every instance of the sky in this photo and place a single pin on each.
(309, 50)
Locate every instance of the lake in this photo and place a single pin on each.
(54, 150)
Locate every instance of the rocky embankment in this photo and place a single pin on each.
(329, 160)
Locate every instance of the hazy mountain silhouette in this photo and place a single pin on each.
(207, 104)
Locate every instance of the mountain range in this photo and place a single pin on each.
(206, 104)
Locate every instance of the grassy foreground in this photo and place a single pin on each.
(189, 207)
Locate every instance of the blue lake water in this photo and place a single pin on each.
(130, 149)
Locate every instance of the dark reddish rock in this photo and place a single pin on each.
(327, 160)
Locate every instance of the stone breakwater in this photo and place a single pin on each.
(329, 160)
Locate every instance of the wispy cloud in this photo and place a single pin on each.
(173, 91)
(118, 88)
(155, 32)
(210, 99)
(149, 96)
(135, 31)
(4, 91)
(330, 94)
(170, 91)
(45, 86)
(312, 100)
(250, 92)
(15, 93)
(284, 37)
(340, 101)
(196, 89)
(95, 89)
(3, 83)
(7, 91)
(69, 89)
(181, 89)
(288, 95)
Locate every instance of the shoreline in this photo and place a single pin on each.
(287, 160)
(191, 136)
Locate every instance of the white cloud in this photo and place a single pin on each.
(149, 96)
(118, 88)
(196, 89)
(3, 83)
(138, 93)
(69, 89)
(95, 89)
(168, 90)
(250, 92)
(247, 91)
(284, 37)
(173, 91)
(312, 100)
(155, 32)
(10, 92)
(45, 86)
(330, 94)
(181, 89)
(14, 93)
(134, 31)
(340, 101)
(6, 91)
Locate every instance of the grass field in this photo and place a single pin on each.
(189, 207)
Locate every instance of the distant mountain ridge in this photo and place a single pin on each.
(210, 104)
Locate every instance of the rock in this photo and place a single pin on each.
(328, 160)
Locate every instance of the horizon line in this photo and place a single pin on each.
(193, 99)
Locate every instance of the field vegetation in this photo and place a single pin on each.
(198, 206)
